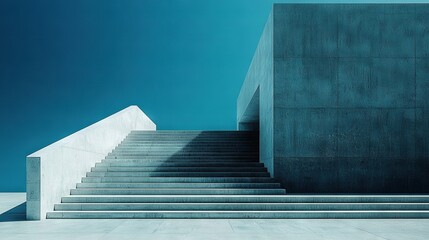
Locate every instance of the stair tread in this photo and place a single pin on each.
(272, 196)
(240, 204)
(180, 188)
(240, 214)
(261, 211)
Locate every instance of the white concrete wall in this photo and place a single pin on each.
(55, 169)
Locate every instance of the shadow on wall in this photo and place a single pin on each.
(249, 121)
(17, 213)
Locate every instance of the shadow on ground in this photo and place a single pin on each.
(16, 213)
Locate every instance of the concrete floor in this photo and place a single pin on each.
(14, 226)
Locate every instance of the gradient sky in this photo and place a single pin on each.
(67, 64)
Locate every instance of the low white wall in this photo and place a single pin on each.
(55, 169)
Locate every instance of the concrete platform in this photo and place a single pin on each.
(13, 226)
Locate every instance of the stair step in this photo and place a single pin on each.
(177, 143)
(245, 199)
(177, 179)
(178, 185)
(165, 151)
(238, 214)
(185, 141)
(189, 145)
(184, 154)
(151, 152)
(199, 132)
(177, 174)
(178, 164)
(192, 131)
(240, 206)
(197, 135)
(191, 138)
(184, 159)
(178, 169)
(182, 147)
(173, 191)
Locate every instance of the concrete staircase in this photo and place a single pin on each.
(209, 174)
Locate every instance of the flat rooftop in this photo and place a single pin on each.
(14, 226)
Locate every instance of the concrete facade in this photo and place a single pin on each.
(55, 169)
(255, 102)
(346, 107)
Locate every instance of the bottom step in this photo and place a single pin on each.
(235, 214)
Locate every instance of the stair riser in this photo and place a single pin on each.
(240, 215)
(186, 142)
(194, 136)
(174, 153)
(184, 154)
(186, 147)
(190, 164)
(235, 132)
(178, 185)
(177, 174)
(198, 144)
(238, 199)
(178, 169)
(175, 191)
(176, 179)
(185, 158)
(239, 207)
(192, 141)
(194, 132)
(197, 135)
(226, 146)
(155, 151)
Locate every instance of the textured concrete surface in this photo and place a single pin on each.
(255, 101)
(55, 169)
(350, 112)
(370, 229)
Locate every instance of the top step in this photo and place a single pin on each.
(194, 133)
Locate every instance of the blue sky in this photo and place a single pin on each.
(67, 64)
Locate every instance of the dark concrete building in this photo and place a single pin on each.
(339, 93)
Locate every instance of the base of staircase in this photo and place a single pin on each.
(235, 214)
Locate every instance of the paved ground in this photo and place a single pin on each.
(13, 226)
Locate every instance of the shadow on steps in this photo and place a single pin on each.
(16, 213)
